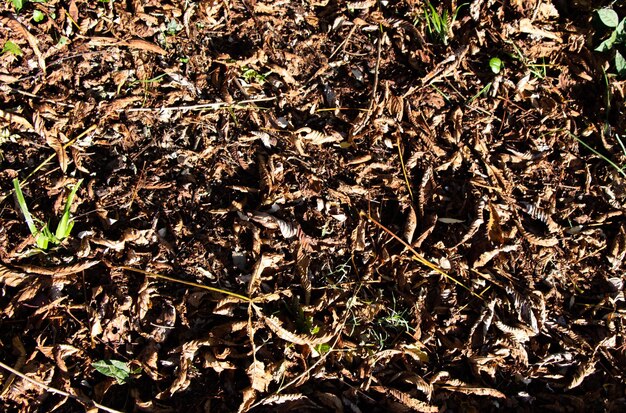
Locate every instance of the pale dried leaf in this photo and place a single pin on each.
(487, 256)
(11, 277)
(249, 397)
(58, 271)
(316, 137)
(582, 371)
(259, 377)
(276, 399)
(302, 266)
(265, 261)
(408, 401)
(146, 46)
(410, 225)
(478, 391)
(22, 123)
(276, 326)
(520, 333)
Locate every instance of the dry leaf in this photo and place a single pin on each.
(259, 377)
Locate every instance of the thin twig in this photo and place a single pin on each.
(215, 105)
(57, 391)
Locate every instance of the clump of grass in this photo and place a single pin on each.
(439, 25)
(44, 235)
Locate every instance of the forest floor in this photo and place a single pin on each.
(372, 206)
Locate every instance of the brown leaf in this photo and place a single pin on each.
(73, 11)
(58, 271)
(487, 256)
(408, 401)
(276, 326)
(249, 397)
(410, 225)
(32, 40)
(11, 277)
(302, 266)
(265, 261)
(259, 377)
(22, 123)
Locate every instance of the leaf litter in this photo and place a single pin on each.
(328, 206)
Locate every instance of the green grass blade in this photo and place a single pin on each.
(24, 208)
(66, 223)
(610, 162)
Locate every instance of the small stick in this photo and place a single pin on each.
(189, 283)
(215, 105)
(56, 391)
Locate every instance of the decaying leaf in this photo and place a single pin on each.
(408, 401)
(276, 326)
(265, 261)
(11, 277)
(259, 377)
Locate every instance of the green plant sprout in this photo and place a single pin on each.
(496, 65)
(44, 236)
(250, 75)
(439, 25)
(10, 47)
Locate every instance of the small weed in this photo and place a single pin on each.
(616, 40)
(439, 25)
(173, 27)
(252, 76)
(18, 4)
(44, 236)
(116, 369)
(10, 47)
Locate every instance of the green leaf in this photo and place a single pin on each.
(621, 31)
(608, 43)
(116, 369)
(11, 47)
(24, 208)
(65, 224)
(620, 64)
(496, 65)
(608, 17)
(38, 16)
(18, 4)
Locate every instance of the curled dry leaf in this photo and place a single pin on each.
(16, 26)
(276, 326)
(259, 377)
(408, 401)
(316, 137)
(59, 271)
(11, 277)
(487, 256)
(410, 225)
(265, 261)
